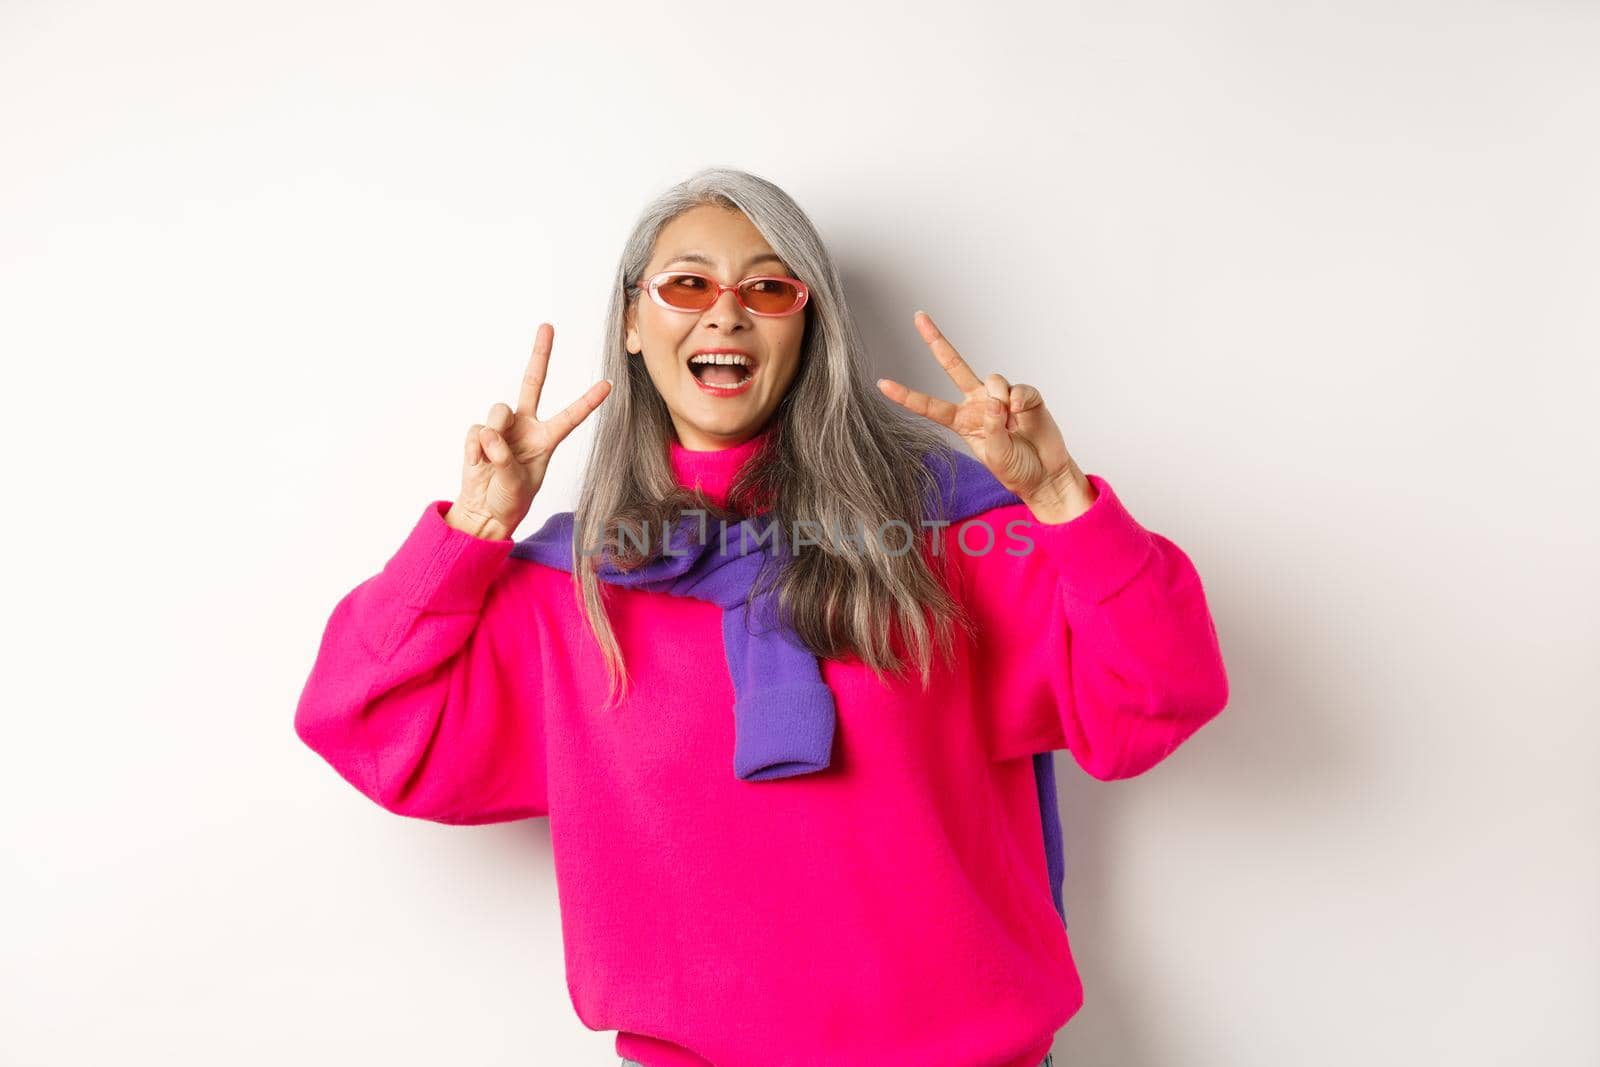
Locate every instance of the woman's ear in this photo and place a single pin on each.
(630, 336)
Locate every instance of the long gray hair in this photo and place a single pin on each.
(840, 456)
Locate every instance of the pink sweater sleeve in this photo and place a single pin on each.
(424, 691)
(1098, 640)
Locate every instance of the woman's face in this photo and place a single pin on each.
(724, 244)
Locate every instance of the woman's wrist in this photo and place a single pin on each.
(485, 527)
(1064, 498)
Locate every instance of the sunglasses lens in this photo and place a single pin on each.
(770, 296)
(688, 291)
(766, 296)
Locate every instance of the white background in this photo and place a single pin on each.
(1313, 285)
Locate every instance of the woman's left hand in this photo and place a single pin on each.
(1009, 429)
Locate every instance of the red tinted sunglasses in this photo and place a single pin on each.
(766, 294)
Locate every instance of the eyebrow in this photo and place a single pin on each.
(697, 257)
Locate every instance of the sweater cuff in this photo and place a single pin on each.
(783, 730)
(1098, 552)
(442, 569)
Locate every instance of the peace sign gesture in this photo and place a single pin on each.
(1008, 429)
(507, 456)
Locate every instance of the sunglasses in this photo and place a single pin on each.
(767, 295)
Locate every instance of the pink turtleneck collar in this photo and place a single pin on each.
(713, 471)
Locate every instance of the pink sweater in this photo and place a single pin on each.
(890, 908)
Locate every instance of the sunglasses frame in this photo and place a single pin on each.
(654, 282)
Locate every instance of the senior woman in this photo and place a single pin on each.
(801, 803)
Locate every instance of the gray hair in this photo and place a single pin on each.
(841, 456)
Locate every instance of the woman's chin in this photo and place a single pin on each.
(724, 423)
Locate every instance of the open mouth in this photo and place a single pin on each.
(722, 371)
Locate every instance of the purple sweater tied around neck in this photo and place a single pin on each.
(783, 711)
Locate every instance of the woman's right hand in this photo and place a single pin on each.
(507, 455)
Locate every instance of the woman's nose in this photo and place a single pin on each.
(727, 309)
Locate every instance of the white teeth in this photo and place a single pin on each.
(731, 359)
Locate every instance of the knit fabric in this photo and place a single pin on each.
(882, 908)
(783, 712)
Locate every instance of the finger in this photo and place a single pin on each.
(533, 376)
(474, 450)
(499, 418)
(1025, 398)
(495, 447)
(946, 354)
(997, 386)
(996, 438)
(941, 411)
(568, 418)
(994, 414)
